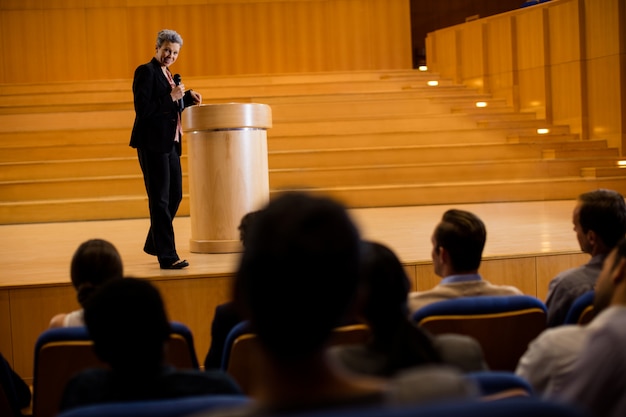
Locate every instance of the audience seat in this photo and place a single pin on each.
(177, 407)
(503, 325)
(62, 352)
(495, 385)
(241, 350)
(581, 312)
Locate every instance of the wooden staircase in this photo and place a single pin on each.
(370, 139)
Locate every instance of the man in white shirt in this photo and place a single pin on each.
(597, 381)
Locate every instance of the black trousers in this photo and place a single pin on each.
(163, 178)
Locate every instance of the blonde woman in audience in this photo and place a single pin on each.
(94, 263)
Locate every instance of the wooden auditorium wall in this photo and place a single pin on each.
(74, 40)
(564, 60)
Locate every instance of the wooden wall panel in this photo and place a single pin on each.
(499, 77)
(98, 40)
(24, 61)
(390, 21)
(107, 57)
(531, 39)
(532, 90)
(201, 295)
(518, 272)
(564, 32)
(568, 62)
(605, 37)
(31, 311)
(443, 54)
(566, 77)
(607, 110)
(473, 55)
(65, 45)
(566, 95)
(425, 277)
(549, 266)
(6, 342)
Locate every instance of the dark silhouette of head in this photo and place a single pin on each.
(244, 225)
(128, 324)
(385, 288)
(95, 262)
(463, 235)
(298, 274)
(385, 284)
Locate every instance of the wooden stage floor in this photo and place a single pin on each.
(40, 254)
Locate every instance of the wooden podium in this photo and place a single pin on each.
(228, 170)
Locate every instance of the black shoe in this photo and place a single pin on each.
(179, 264)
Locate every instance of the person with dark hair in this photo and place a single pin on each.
(95, 262)
(458, 242)
(226, 315)
(157, 135)
(397, 343)
(597, 379)
(296, 281)
(127, 321)
(599, 219)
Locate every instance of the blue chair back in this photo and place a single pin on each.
(242, 328)
(503, 325)
(176, 407)
(581, 311)
(500, 384)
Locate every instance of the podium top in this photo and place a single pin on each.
(225, 116)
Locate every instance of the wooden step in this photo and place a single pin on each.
(33, 122)
(433, 172)
(435, 153)
(466, 192)
(130, 207)
(598, 171)
(68, 152)
(69, 188)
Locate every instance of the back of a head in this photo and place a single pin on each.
(95, 262)
(385, 283)
(604, 212)
(128, 324)
(463, 235)
(298, 274)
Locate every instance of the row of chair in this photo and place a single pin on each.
(515, 407)
(503, 325)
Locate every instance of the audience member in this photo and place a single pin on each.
(397, 343)
(458, 242)
(226, 315)
(94, 263)
(599, 219)
(15, 390)
(297, 279)
(128, 324)
(550, 358)
(597, 380)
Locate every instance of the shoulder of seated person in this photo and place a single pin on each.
(57, 321)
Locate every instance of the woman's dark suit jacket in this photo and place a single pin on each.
(155, 112)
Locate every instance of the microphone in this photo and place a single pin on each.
(177, 80)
